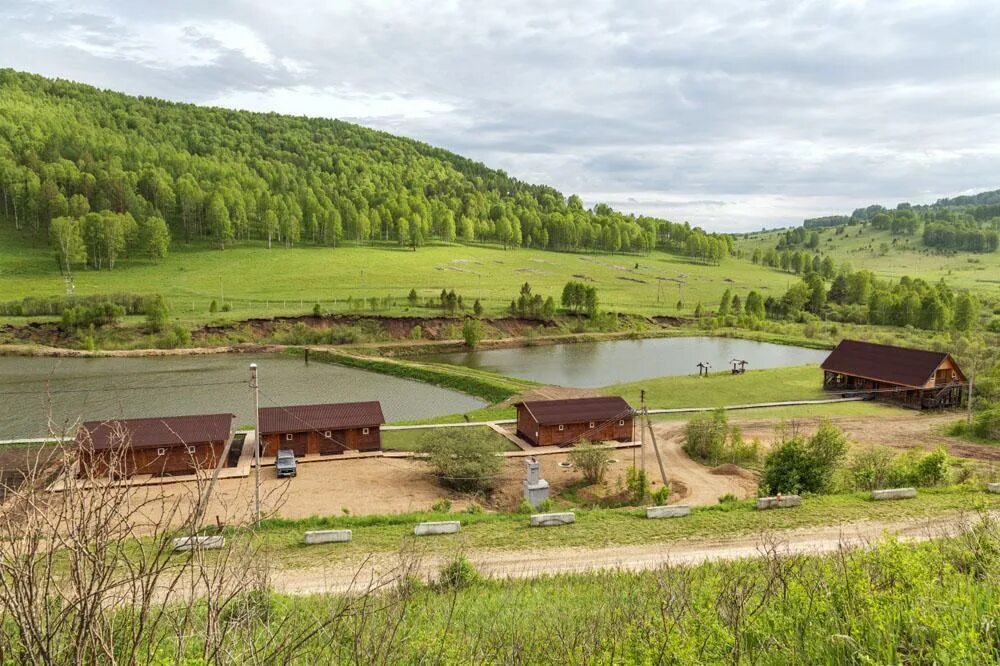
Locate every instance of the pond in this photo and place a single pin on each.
(96, 388)
(594, 364)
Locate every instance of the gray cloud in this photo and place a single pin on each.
(731, 115)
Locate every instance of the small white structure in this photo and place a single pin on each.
(536, 489)
(779, 502)
(440, 527)
(993, 488)
(667, 511)
(199, 543)
(328, 536)
(894, 493)
(552, 519)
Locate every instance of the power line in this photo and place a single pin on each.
(122, 388)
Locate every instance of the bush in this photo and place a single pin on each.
(591, 460)
(441, 506)
(880, 468)
(472, 333)
(802, 465)
(94, 315)
(661, 495)
(317, 312)
(156, 314)
(458, 574)
(709, 439)
(462, 459)
(987, 424)
(213, 307)
(637, 484)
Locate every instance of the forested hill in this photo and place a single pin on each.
(964, 223)
(105, 174)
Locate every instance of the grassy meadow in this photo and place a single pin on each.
(256, 281)
(908, 256)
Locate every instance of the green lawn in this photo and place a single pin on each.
(257, 281)
(409, 440)
(596, 528)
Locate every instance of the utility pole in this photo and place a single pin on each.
(642, 431)
(972, 380)
(255, 387)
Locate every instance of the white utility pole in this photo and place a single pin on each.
(255, 386)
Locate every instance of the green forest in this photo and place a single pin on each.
(106, 176)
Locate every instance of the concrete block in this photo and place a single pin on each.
(328, 536)
(782, 502)
(993, 488)
(894, 493)
(442, 527)
(667, 511)
(552, 519)
(199, 543)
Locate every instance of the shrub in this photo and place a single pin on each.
(93, 315)
(458, 574)
(416, 333)
(802, 465)
(709, 439)
(592, 461)
(463, 459)
(637, 484)
(472, 333)
(156, 314)
(441, 506)
(213, 307)
(317, 312)
(987, 424)
(661, 495)
(880, 468)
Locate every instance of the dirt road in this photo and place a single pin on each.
(694, 483)
(380, 570)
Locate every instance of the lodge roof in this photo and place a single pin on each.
(156, 432)
(577, 410)
(334, 416)
(903, 366)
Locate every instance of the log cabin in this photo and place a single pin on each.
(160, 446)
(322, 429)
(916, 378)
(565, 422)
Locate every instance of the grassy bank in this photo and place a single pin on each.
(410, 440)
(486, 385)
(596, 528)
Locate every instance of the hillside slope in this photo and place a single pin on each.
(158, 171)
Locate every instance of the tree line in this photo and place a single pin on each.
(107, 175)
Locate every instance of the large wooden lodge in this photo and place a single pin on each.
(915, 378)
(322, 429)
(160, 446)
(565, 422)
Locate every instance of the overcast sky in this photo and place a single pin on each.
(733, 115)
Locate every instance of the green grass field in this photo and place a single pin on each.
(410, 440)
(597, 528)
(963, 270)
(256, 281)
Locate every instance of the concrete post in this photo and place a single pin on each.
(536, 489)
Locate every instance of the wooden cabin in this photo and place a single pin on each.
(565, 422)
(915, 378)
(159, 446)
(322, 429)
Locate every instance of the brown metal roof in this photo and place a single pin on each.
(303, 418)
(577, 410)
(161, 432)
(893, 365)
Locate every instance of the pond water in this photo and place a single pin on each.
(589, 365)
(98, 388)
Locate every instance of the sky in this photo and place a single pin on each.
(733, 115)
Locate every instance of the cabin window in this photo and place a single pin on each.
(622, 422)
(190, 449)
(562, 427)
(591, 424)
(328, 434)
(364, 431)
(289, 437)
(161, 452)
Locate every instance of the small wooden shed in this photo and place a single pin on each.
(159, 446)
(324, 429)
(563, 422)
(916, 378)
